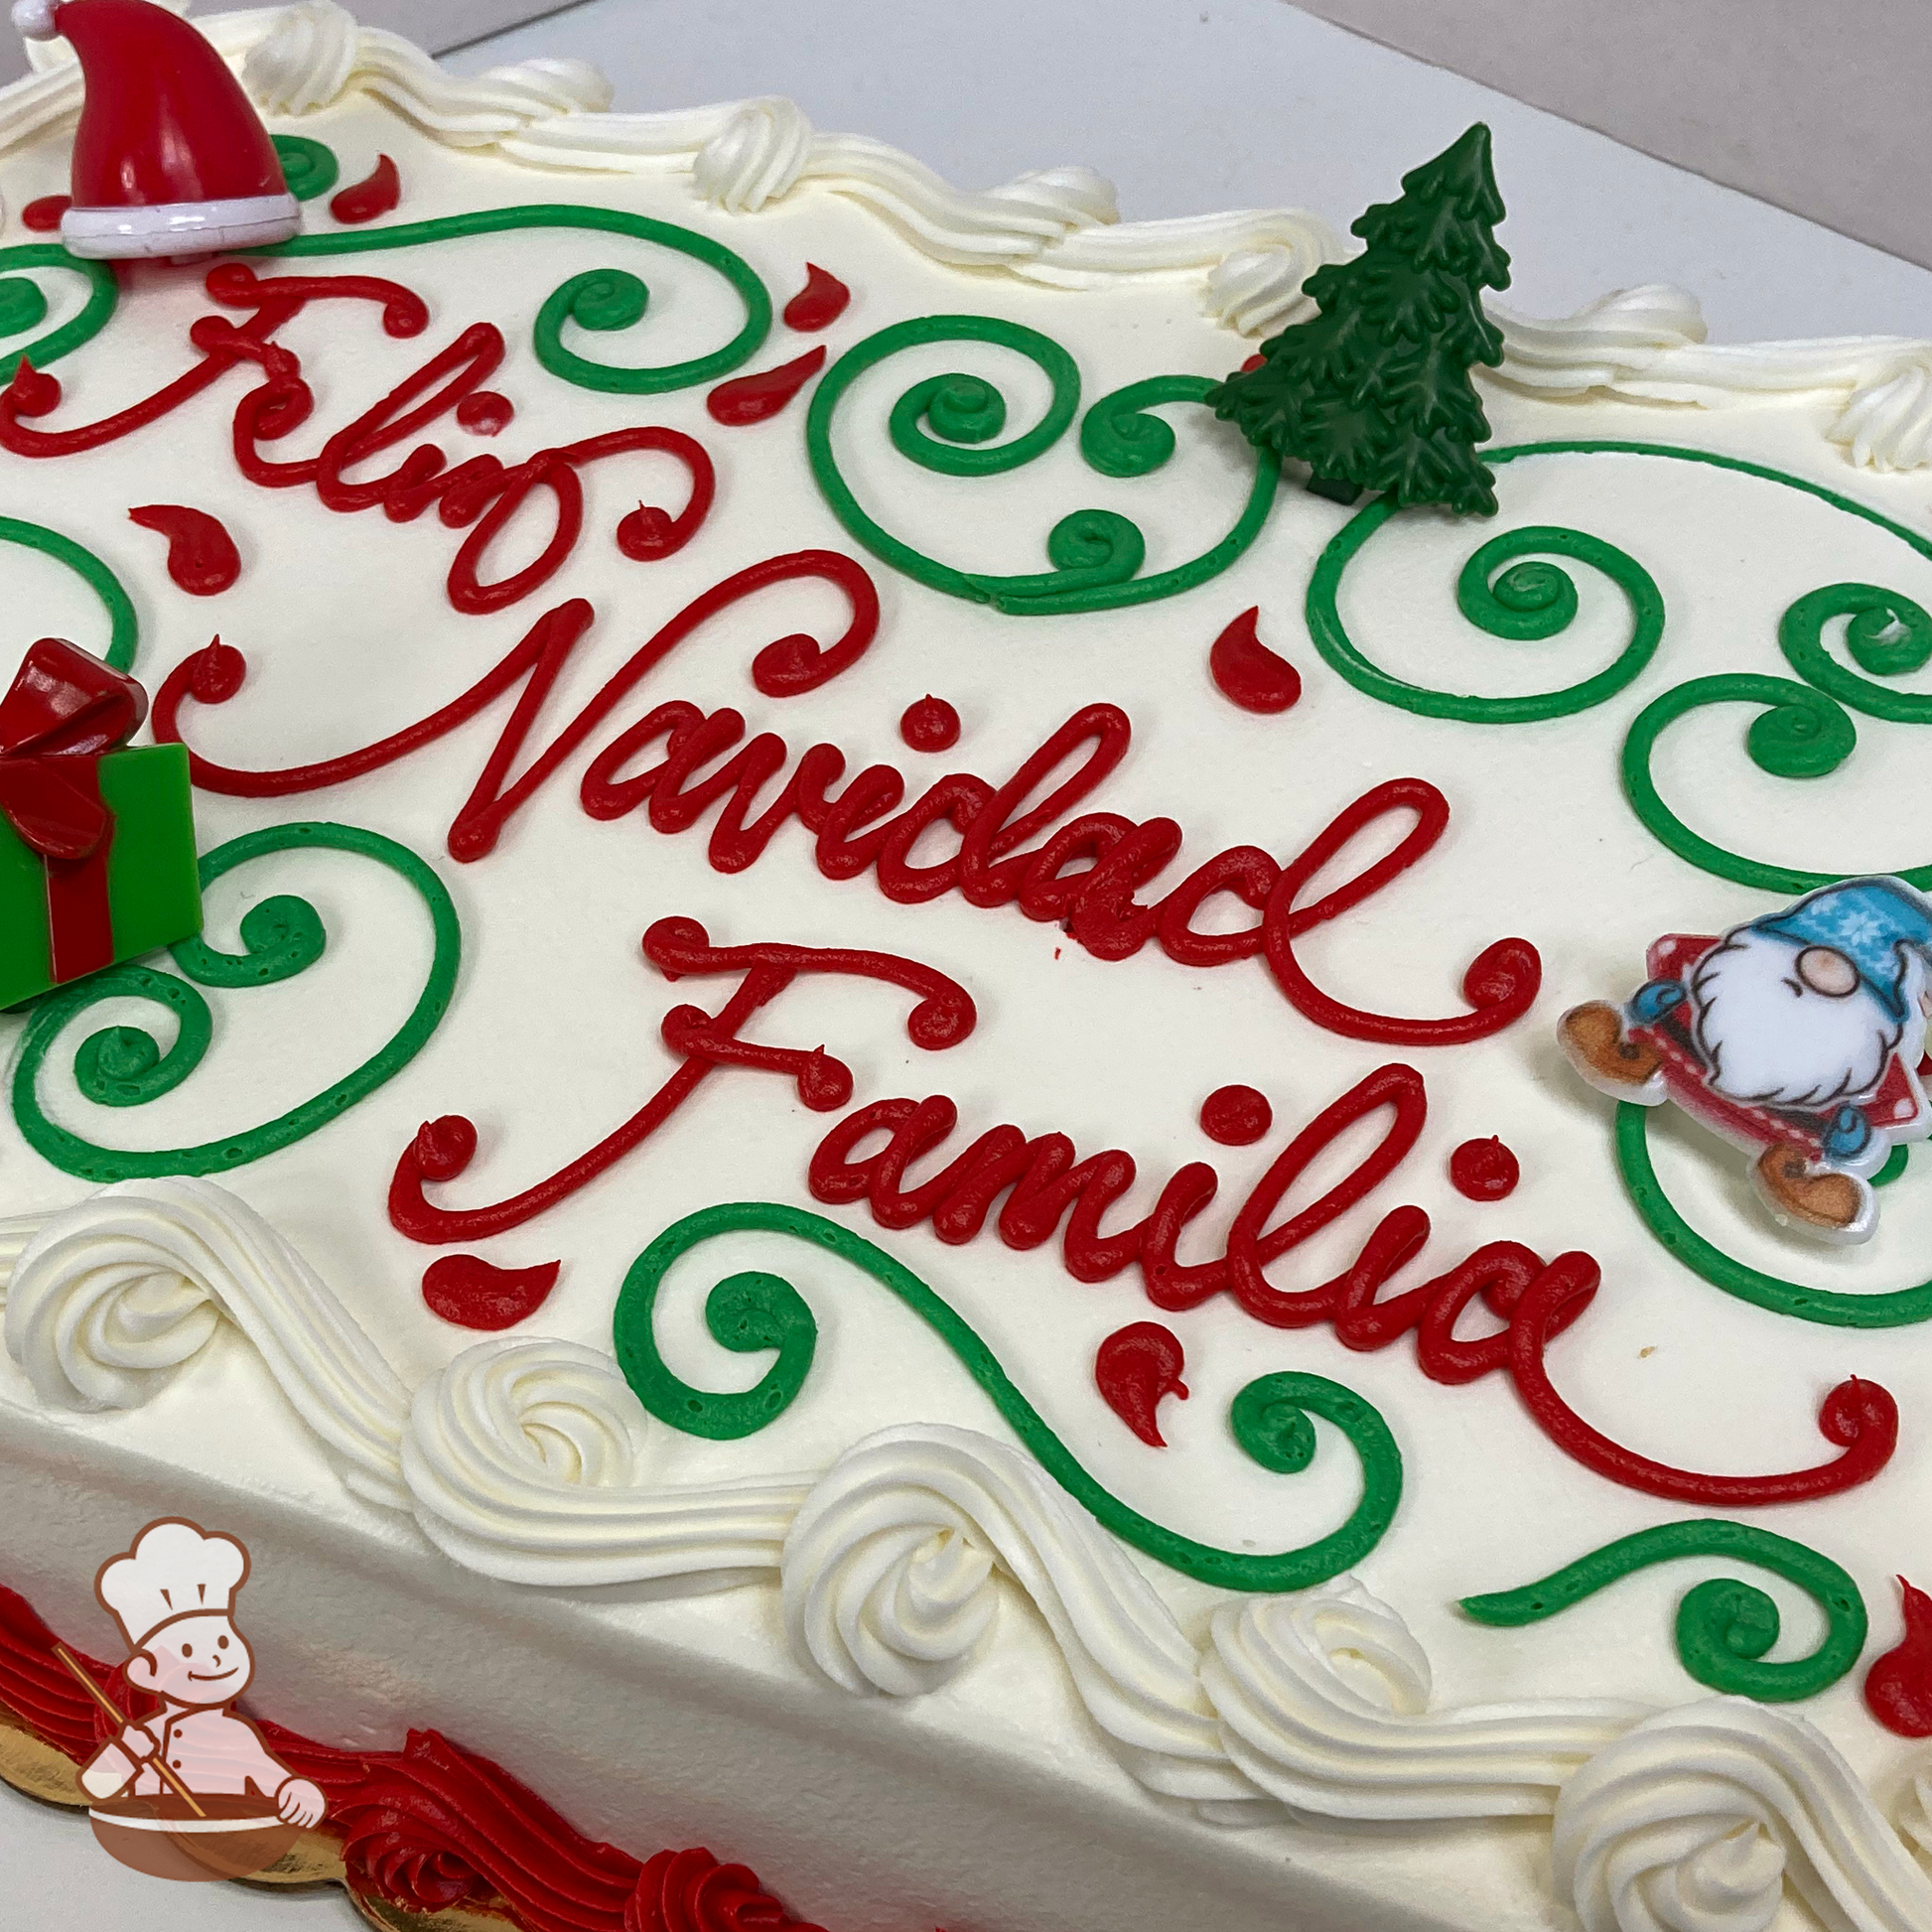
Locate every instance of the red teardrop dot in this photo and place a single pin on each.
(1253, 362)
(647, 533)
(820, 303)
(377, 193)
(44, 215)
(825, 1083)
(33, 393)
(202, 555)
(747, 399)
(443, 1147)
(1246, 672)
(1484, 1170)
(1136, 1368)
(471, 1293)
(215, 672)
(1898, 1686)
(1236, 1115)
(482, 412)
(929, 725)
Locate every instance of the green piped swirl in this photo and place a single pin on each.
(601, 300)
(947, 424)
(1832, 1308)
(1527, 601)
(1724, 1627)
(123, 628)
(1887, 635)
(754, 1310)
(125, 1066)
(22, 305)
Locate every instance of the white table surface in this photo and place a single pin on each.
(1188, 106)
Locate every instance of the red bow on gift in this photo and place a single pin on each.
(62, 710)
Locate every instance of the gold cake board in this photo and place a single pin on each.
(37, 1771)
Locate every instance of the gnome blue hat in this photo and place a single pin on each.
(1871, 921)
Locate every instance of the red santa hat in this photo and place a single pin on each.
(170, 158)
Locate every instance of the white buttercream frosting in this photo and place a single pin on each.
(1325, 1700)
(111, 1296)
(525, 1461)
(1619, 338)
(312, 53)
(1058, 225)
(1693, 1821)
(886, 1574)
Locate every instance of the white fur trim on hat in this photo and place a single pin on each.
(180, 228)
(35, 19)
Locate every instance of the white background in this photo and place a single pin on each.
(1187, 107)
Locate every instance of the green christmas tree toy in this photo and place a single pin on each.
(1374, 392)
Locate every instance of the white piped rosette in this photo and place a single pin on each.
(110, 1298)
(525, 1461)
(1325, 1700)
(1695, 1820)
(888, 1590)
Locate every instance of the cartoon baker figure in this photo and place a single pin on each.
(173, 1594)
(1797, 1037)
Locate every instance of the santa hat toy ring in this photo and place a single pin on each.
(170, 158)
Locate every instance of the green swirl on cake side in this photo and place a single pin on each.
(125, 1066)
(947, 424)
(756, 1310)
(24, 305)
(1832, 1308)
(603, 300)
(123, 628)
(1724, 1627)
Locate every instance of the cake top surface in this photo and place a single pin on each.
(551, 984)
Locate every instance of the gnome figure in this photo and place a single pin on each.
(1797, 1037)
(173, 1594)
(170, 156)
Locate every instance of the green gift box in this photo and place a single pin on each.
(152, 882)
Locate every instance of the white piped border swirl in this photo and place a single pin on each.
(527, 1460)
(1059, 226)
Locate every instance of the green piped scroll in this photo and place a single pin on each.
(1802, 730)
(756, 1310)
(1896, 1309)
(1724, 1627)
(125, 1066)
(1799, 732)
(1886, 634)
(603, 299)
(310, 168)
(23, 304)
(123, 628)
(947, 424)
(1528, 601)
(1544, 594)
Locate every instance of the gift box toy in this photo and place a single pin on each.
(96, 840)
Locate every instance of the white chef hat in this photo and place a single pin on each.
(174, 1569)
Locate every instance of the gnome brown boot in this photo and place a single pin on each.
(1818, 1201)
(1592, 1039)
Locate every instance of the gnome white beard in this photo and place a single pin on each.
(1770, 1038)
